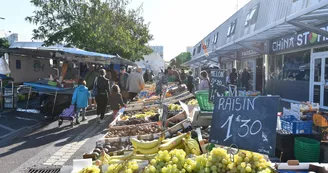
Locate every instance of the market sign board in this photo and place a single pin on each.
(299, 40)
(217, 83)
(247, 122)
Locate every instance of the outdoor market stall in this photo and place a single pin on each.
(62, 86)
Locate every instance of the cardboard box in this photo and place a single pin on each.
(293, 166)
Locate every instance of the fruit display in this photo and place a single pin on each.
(218, 160)
(131, 121)
(132, 130)
(174, 107)
(90, 169)
(192, 102)
(112, 147)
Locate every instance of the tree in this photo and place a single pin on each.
(4, 43)
(180, 59)
(94, 25)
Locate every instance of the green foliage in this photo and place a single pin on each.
(180, 59)
(4, 43)
(93, 25)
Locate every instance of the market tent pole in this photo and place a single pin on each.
(28, 97)
(53, 107)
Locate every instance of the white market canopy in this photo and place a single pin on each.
(152, 62)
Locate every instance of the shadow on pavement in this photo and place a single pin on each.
(47, 136)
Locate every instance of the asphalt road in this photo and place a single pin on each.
(34, 149)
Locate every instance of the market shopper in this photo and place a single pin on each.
(233, 77)
(90, 77)
(102, 93)
(80, 99)
(135, 83)
(116, 100)
(205, 82)
(147, 76)
(173, 75)
(122, 80)
(245, 77)
(190, 82)
(183, 76)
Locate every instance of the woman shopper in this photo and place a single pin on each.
(116, 100)
(205, 82)
(102, 93)
(80, 99)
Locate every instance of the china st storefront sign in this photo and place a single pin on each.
(298, 40)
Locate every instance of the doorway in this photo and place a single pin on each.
(259, 74)
(319, 79)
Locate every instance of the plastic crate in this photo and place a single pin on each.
(202, 98)
(295, 126)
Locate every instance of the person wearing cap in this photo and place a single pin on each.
(135, 83)
(122, 80)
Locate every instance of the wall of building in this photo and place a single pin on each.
(26, 68)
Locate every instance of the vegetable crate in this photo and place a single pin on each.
(202, 98)
(295, 126)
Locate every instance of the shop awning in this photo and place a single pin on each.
(305, 19)
(70, 54)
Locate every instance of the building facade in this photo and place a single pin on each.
(159, 50)
(283, 44)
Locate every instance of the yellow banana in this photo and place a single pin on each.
(180, 146)
(122, 157)
(191, 146)
(172, 143)
(145, 144)
(143, 156)
(148, 151)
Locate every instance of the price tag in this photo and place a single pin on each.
(186, 124)
(217, 83)
(244, 120)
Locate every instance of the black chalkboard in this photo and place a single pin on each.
(248, 122)
(217, 83)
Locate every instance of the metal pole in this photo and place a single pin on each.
(53, 107)
(28, 97)
(13, 95)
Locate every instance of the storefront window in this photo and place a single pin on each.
(250, 66)
(293, 66)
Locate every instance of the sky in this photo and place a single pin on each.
(175, 24)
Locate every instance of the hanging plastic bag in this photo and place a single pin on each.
(4, 67)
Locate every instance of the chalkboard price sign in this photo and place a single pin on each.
(217, 83)
(248, 122)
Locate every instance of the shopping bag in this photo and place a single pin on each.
(68, 112)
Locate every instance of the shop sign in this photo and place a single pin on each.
(248, 53)
(298, 40)
(247, 122)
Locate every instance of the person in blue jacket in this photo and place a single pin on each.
(80, 99)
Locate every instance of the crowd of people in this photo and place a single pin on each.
(99, 88)
(244, 78)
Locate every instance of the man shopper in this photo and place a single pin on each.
(135, 83)
(90, 77)
(245, 77)
(173, 75)
(122, 80)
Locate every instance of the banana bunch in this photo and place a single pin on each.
(146, 147)
(191, 146)
(90, 169)
(193, 102)
(174, 107)
(173, 143)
